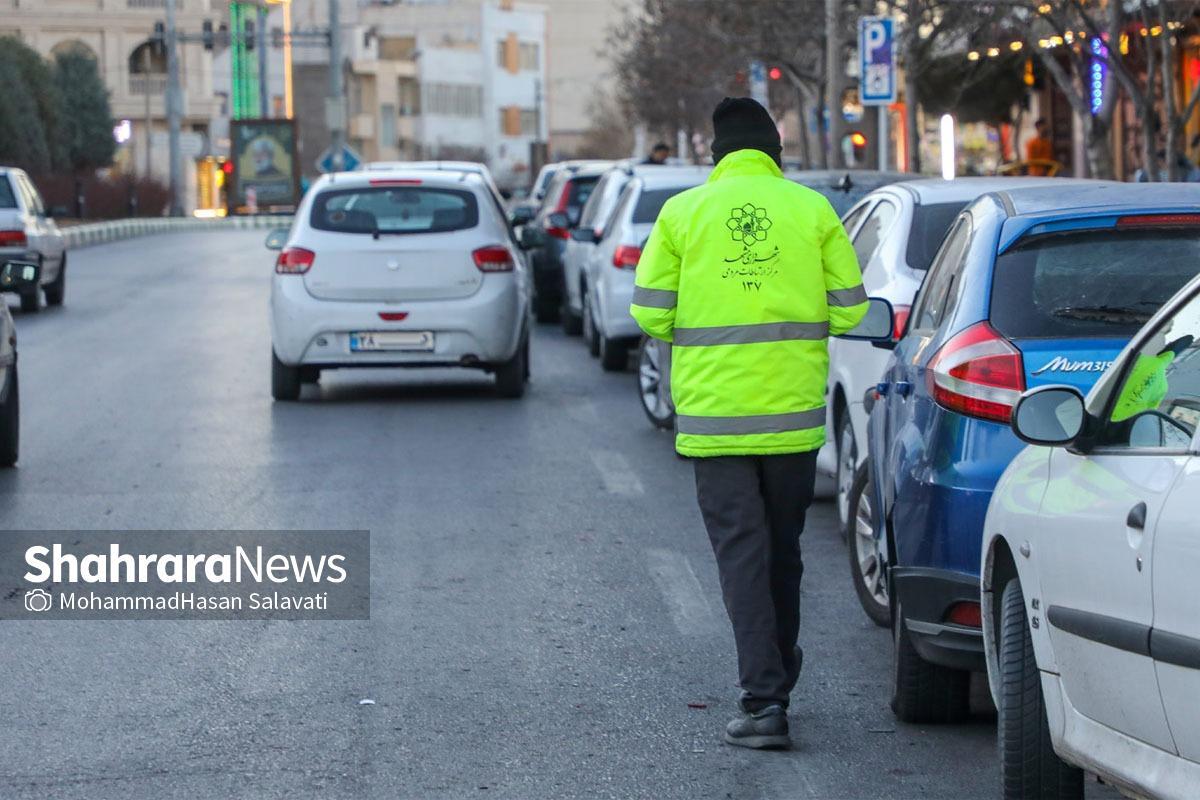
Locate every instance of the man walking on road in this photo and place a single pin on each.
(747, 276)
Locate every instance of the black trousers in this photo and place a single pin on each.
(754, 509)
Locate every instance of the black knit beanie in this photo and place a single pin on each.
(740, 123)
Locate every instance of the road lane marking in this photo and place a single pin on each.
(673, 574)
(618, 476)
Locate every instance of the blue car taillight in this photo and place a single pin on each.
(978, 373)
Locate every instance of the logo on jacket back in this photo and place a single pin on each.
(1064, 364)
(749, 226)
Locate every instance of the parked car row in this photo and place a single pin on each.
(1066, 581)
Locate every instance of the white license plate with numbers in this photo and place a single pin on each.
(366, 341)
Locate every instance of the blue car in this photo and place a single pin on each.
(1030, 287)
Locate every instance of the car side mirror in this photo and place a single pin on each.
(1051, 416)
(876, 324)
(19, 276)
(58, 212)
(531, 237)
(558, 219)
(583, 235)
(277, 238)
(521, 215)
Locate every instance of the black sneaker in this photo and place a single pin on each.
(762, 730)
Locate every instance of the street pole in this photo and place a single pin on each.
(834, 71)
(884, 144)
(174, 113)
(146, 89)
(335, 110)
(262, 61)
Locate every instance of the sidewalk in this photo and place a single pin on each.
(113, 230)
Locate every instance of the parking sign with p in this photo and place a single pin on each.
(877, 61)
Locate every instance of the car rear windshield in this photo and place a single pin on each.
(1090, 284)
(581, 190)
(8, 199)
(650, 202)
(929, 227)
(395, 210)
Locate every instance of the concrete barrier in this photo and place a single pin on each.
(113, 230)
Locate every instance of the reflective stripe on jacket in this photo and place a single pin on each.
(747, 276)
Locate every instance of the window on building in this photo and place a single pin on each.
(409, 93)
(529, 122)
(529, 55)
(387, 125)
(454, 100)
(517, 121)
(397, 48)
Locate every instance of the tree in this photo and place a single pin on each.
(87, 121)
(29, 136)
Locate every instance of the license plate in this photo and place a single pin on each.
(391, 340)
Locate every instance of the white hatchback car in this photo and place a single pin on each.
(1091, 622)
(399, 268)
(608, 327)
(28, 232)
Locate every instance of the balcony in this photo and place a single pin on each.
(153, 84)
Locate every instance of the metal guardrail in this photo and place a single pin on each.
(100, 232)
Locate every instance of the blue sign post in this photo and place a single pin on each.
(877, 73)
(350, 160)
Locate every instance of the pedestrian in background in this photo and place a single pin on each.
(747, 276)
(658, 154)
(1039, 148)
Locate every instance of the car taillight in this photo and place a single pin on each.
(294, 261)
(965, 613)
(13, 239)
(558, 233)
(493, 259)
(1159, 221)
(564, 200)
(899, 321)
(978, 373)
(626, 257)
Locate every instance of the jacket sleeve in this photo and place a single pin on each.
(656, 287)
(844, 291)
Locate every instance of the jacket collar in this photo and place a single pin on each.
(745, 162)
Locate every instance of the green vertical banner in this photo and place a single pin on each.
(243, 62)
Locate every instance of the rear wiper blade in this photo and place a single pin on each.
(1102, 313)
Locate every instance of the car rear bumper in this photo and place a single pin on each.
(479, 330)
(926, 595)
(615, 297)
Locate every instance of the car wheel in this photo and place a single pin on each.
(572, 323)
(511, 376)
(614, 354)
(10, 421)
(654, 393)
(866, 567)
(924, 692)
(591, 336)
(847, 466)
(56, 291)
(30, 302)
(1029, 767)
(285, 380)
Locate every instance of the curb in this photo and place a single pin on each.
(100, 232)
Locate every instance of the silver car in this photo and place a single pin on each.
(15, 276)
(28, 233)
(608, 326)
(399, 267)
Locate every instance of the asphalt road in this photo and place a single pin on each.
(544, 606)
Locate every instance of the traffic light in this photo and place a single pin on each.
(206, 34)
(775, 73)
(248, 35)
(858, 141)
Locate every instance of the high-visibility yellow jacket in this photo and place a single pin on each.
(747, 276)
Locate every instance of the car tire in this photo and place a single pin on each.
(923, 692)
(847, 466)
(572, 323)
(10, 421)
(656, 398)
(614, 354)
(1029, 767)
(285, 380)
(31, 303)
(591, 336)
(512, 375)
(56, 291)
(866, 568)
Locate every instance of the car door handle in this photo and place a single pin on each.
(903, 388)
(1137, 517)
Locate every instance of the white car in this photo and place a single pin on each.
(15, 276)
(399, 268)
(28, 233)
(1091, 551)
(608, 327)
